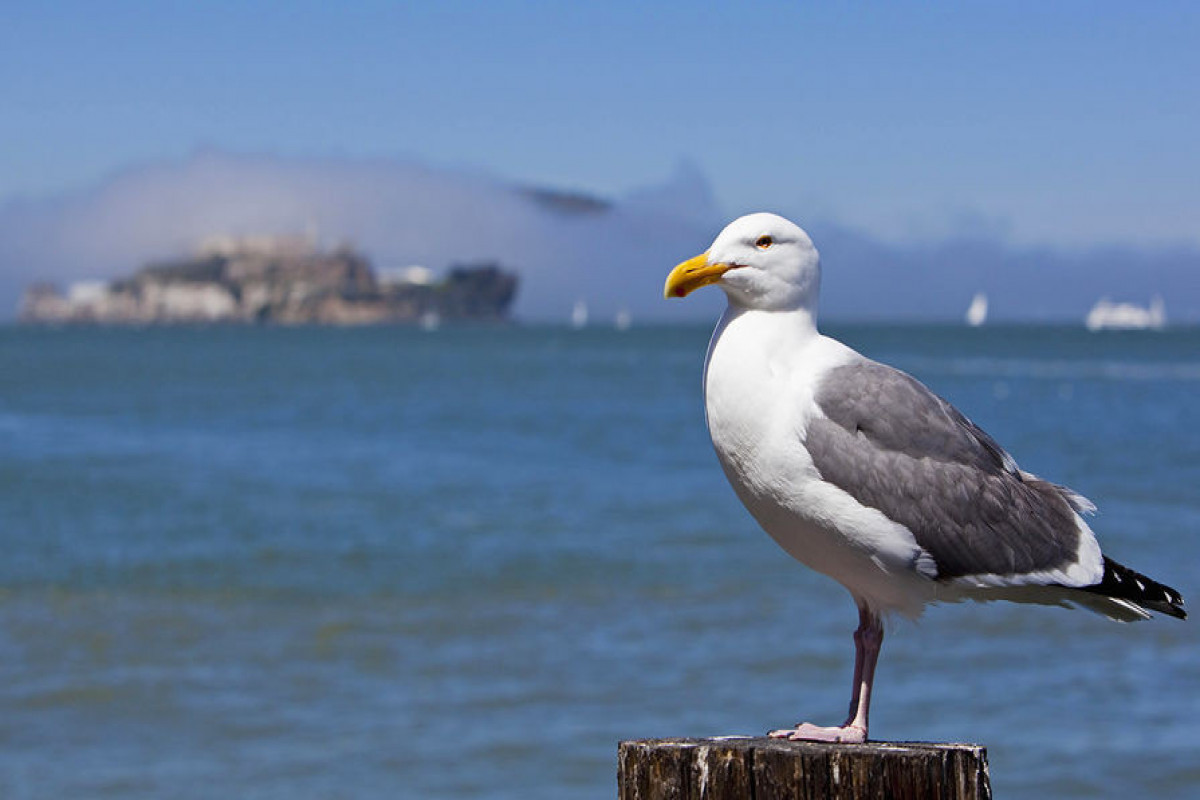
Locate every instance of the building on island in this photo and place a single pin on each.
(276, 279)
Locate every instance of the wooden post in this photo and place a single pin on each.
(737, 768)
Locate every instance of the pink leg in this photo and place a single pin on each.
(868, 640)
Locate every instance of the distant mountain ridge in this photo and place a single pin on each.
(566, 246)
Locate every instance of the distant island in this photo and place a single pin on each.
(276, 279)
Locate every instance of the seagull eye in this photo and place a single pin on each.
(764, 242)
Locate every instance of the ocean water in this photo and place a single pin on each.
(294, 563)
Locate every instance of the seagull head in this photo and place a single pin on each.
(762, 261)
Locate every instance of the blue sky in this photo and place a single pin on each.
(1064, 124)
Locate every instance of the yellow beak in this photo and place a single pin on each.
(692, 274)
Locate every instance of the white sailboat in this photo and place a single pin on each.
(579, 315)
(623, 320)
(977, 311)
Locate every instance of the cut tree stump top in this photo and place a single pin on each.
(772, 769)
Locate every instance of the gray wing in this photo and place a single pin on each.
(897, 447)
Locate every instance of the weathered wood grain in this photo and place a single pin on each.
(770, 769)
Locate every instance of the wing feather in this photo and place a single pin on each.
(893, 445)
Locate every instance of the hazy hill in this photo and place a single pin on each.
(568, 245)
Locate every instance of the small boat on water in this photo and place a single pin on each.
(579, 315)
(977, 311)
(1109, 316)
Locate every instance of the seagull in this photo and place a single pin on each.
(861, 473)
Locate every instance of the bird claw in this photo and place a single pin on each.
(807, 732)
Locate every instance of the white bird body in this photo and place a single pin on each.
(759, 377)
(861, 473)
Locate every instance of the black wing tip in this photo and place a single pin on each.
(1174, 611)
(1122, 583)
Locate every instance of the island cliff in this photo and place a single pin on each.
(284, 280)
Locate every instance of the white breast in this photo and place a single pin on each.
(760, 375)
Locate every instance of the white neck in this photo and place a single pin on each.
(800, 322)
